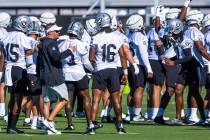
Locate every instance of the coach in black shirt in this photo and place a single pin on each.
(51, 74)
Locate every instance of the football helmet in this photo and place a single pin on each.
(206, 21)
(116, 22)
(194, 17)
(175, 26)
(35, 29)
(22, 23)
(103, 20)
(47, 18)
(76, 28)
(172, 13)
(135, 22)
(5, 20)
(91, 27)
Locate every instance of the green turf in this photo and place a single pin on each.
(136, 131)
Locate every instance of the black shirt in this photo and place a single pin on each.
(49, 66)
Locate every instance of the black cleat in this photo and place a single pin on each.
(121, 131)
(27, 124)
(97, 125)
(90, 131)
(70, 127)
(14, 131)
(159, 120)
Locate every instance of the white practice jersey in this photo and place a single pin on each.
(86, 38)
(169, 47)
(3, 33)
(195, 35)
(125, 40)
(107, 46)
(15, 45)
(152, 48)
(72, 66)
(32, 68)
(207, 46)
(138, 43)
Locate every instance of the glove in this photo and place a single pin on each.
(187, 2)
(136, 69)
(159, 10)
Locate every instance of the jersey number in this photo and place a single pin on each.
(107, 54)
(11, 54)
(71, 60)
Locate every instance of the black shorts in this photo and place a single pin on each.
(193, 73)
(171, 74)
(120, 72)
(80, 85)
(34, 86)
(106, 78)
(158, 72)
(19, 80)
(182, 76)
(137, 80)
(207, 77)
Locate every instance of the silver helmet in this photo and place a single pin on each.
(22, 23)
(175, 26)
(91, 27)
(35, 29)
(103, 20)
(76, 28)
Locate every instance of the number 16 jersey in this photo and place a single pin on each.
(107, 46)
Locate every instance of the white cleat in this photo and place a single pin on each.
(138, 118)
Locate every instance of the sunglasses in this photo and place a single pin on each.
(57, 31)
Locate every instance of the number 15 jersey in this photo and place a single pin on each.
(15, 45)
(107, 46)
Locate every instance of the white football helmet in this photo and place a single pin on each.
(194, 17)
(91, 27)
(175, 26)
(103, 20)
(5, 20)
(116, 22)
(33, 18)
(206, 21)
(172, 13)
(76, 28)
(135, 22)
(47, 18)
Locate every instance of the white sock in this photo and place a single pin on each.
(209, 114)
(154, 114)
(102, 112)
(149, 112)
(206, 112)
(106, 110)
(34, 120)
(27, 120)
(194, 112)
(130, 110)
(160, 112)
(2, 108)
(137, 111)
(182, 113)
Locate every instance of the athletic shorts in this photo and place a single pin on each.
(120, 72)
(34, 86)
(19, 80)
(106, 78)
(158, 72)
(137, 80)
(60, 92)
(80, 85)
(171, 74)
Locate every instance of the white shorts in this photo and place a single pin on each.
(50, 92)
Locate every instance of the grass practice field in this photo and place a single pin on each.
(135, 131)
